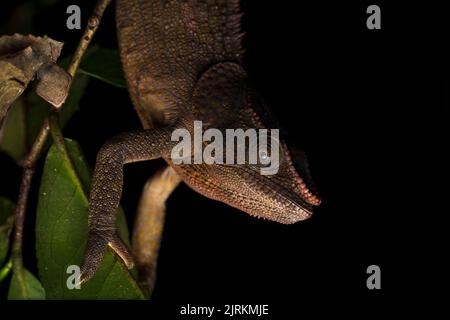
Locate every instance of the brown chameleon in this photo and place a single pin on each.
(183, 62)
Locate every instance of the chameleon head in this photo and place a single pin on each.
(283, 197)
(223, 98)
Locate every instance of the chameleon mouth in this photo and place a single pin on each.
(282, 204)
(287, 216)
(299, 169)
(295, 209)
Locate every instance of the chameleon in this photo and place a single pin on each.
(183, 61)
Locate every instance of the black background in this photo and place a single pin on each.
(371, 110)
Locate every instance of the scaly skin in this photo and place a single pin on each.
(182, 61)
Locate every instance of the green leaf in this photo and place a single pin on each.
(104, 64)
(6, 224)
(6, 209)
(61, 233)
(25, 287)
(5, 270)
(13, 138)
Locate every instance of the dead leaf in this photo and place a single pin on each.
(24, 58)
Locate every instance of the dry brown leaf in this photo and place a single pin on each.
(25, 58)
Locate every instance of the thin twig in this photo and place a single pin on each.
(36, 150)
(93, 23)
(28, 171)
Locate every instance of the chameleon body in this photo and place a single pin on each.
(183, 62)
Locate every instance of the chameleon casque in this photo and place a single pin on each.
(183, 62)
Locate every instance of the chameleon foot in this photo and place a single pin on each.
(97, 244)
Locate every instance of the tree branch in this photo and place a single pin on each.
(36, 150)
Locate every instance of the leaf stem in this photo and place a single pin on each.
(36, 150)
(60, 143)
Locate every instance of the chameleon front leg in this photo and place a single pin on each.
(106, 192)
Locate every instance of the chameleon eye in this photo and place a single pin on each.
(263, 155)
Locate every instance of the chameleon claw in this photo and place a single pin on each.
(95, 250)
(122, 251)
(96, 247)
